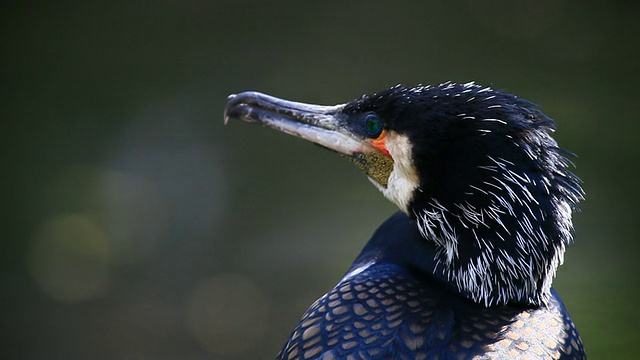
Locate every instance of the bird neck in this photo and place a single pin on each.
(495, 277)
(490, 255)
(502, 240)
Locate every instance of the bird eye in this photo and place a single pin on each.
(373, 125)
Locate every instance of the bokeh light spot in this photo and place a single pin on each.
(69, 258)
(135, 215)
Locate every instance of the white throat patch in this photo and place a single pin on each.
(403, 180)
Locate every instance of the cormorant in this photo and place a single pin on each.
(464, 269)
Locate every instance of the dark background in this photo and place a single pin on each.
(136, 226)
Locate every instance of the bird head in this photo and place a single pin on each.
(476, 169)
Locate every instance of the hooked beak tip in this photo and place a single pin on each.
(225, 115)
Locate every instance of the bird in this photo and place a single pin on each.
(464, 268)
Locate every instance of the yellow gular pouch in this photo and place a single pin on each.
(376, 165)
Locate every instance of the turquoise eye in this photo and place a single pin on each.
(373, 125)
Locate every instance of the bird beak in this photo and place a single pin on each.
(322, 125)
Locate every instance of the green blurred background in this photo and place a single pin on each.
(137, 226)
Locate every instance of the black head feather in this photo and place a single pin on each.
(495, 193)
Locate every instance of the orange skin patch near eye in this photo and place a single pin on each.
(380, 143)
